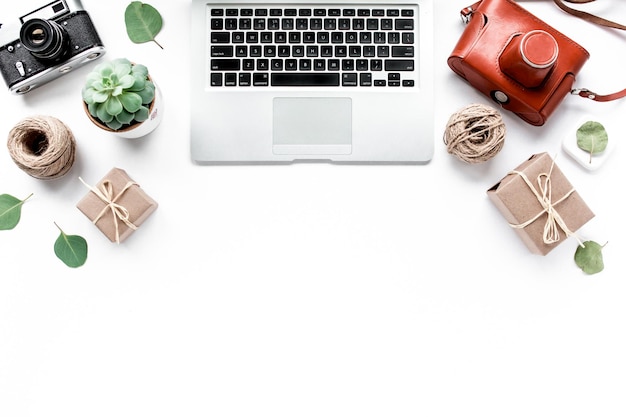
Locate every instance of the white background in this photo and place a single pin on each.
(311, 289)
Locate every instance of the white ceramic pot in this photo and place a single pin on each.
(138, 130)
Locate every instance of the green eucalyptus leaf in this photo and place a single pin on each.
(71, 249)
(143, 22)
(592, 137)
(589, 257)
(10, 211)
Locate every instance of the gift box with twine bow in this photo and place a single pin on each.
(117, 205)
(540, 204)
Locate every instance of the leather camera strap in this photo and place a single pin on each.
(588, 16)
(583, 92)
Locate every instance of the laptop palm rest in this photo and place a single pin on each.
(312, 126)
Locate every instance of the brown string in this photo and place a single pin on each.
(42, 146)
(475, 133)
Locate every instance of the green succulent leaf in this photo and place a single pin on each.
(114, 106)
(71, 249)
(10, 211)
(131, 101)
(93, 109)
(87, 94)
(121, 68)
(99, 96)
(125, 117)
(589, 257)
(592, 137)
(147, 95)
(105, 69)
(114, 124)
(139, 83)
(140, 70)
(142, 114)
(143, 22)
(102, 114)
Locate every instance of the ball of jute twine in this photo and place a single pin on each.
(42, 146)
(475, 133)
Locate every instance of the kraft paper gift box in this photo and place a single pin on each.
(540, 204)
(117, 205)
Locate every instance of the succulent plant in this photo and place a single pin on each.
(118, 93)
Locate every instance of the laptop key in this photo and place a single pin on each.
(230, 79)
(224, 51)
(365, 79)
(404, 24)
(260, 79)
(219, 64)
(220, 37)
(349, 79)
(399, 65)
(313, 79)
(402, 51)
(217, 24)
(216, 79)
(244, 79)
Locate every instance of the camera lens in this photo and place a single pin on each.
(529, 58)
(45, 39)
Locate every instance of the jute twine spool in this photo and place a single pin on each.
(42, 146)
(475, 133)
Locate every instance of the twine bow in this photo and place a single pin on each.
(119, 212)
(544, 196)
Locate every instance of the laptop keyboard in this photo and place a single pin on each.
(327, 45)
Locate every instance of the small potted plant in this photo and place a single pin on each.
(121, 97)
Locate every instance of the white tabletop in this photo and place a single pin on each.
(311, 289)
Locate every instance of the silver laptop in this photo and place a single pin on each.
(301, 80)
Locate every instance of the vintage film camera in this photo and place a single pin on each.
(518, 60)
(46, 43)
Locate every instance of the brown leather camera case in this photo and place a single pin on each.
(476, 58)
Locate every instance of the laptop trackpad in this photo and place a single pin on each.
(312, 126)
